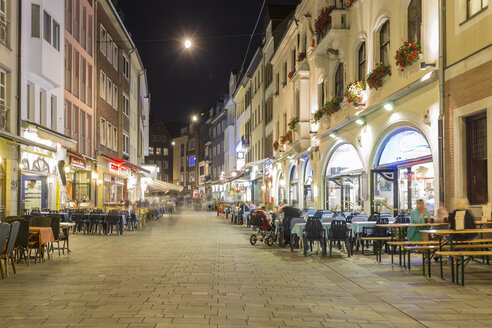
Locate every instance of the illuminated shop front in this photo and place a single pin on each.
(79, 178)
(404, 172)
(293, 186)
(308, 185)
(281, 189)
(343, 180)
(113, 175)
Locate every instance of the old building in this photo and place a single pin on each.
(160, 151)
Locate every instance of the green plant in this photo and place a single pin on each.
(350, 3)
(294, 122)
(407, 54)
(355, 91)
(276, 145)
(291, 74)
(328, 109)
(323, 20)
(375, 78)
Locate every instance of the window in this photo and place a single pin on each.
(268, 74)
(109, 89)
(414, 20)
(83, 78)
(47, 27)
(88, 148)
(76, 70)
(89, 36)
(68, 66)
(473, 7)
(102, 84)
(126, 105)
(84, 28)
(277, 82)
(165, 151)
(115, 97)
(30, 102)
(109, 135)
(89, 85)
(322, 94)
(126, 67)
(158, 151)
(109, 53)
(42, 107)
(102, 39)
(68, 15)
(54, 114)
(182, 148)
(362, 62)
(285, 73)
(126, 143)
(476, 158)
(56, 35)
(76, 19)
(81, 143)
(115, 138)
(3, 91)
(269, 110)
(75, 124)
(35, 21)
(66, 118)
(115, 56)
(192, 176)
(339, 81)
(384, 43)
(151, 150)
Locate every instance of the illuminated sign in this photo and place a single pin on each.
(240, 155)
(113, 167)
(191, 161)
(74, 161)
(123, 169)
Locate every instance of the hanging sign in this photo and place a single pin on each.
(77, 162)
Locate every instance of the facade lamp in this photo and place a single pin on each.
(424, 65)
(360, 121)
(333, 135)
(389, 107)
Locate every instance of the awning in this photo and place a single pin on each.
(52, 135)
(127, 164)
(259, 162)
(164, 186)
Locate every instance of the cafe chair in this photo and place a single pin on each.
(314, 232)
(113, 221)
(9, 253)
(40, 221)
(4, 232)
(339, 232)
(22, 241)
(55, 226)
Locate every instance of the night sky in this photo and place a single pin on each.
(185, 81)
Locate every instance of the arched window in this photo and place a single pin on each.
(403, 146)
(339, 81)
(384, 43)
(414, 20)
(362, 61)
(40, 165)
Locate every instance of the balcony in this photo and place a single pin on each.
(333, 30)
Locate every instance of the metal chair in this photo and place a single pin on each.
(9, 254)
(314, 232)
(339, 232)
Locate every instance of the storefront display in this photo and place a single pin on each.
(113, 189)
(343, 180)
(404, 174)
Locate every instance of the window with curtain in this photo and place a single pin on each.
(339, 81)
(414, 20)
(361, 59)
(384, 43)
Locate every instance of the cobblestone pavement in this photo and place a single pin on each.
(197, 270)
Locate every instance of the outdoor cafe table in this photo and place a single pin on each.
(450, 233)
(44, 235)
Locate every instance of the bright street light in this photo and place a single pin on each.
(195, 118)
(187, 44)
(173, 143)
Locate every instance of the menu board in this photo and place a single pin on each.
(32, 193)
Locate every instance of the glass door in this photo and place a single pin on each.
(351, 199)
(333, 193)
(384, 191)
(34, 192)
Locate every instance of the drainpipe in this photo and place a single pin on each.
(440, 122)
(19, 48)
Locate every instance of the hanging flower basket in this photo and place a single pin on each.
(328, 109)
(407, 54)
(294, 122)
(355, 91)
(291, 74)
(351, 2)
(301, 56)
(276, 145)
(375, 78)
(323, 20)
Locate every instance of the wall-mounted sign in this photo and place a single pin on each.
(240, 155)
(77, 162)
(113, 166)
(123, 169)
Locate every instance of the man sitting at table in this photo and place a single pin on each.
(418, 215)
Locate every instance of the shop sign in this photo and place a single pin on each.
(77, 162)
(113, 166)
(123, 170)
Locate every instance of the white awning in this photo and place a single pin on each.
(164, 186)
(259, 162)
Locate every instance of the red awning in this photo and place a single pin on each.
(127, 164)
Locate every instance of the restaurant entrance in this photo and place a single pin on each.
(34, 192)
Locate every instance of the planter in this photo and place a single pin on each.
(355, 92)
(407, 55)
(375, 79)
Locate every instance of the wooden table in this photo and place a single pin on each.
(451, 233)
(44, 235)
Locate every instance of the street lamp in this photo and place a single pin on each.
(173, 143)
(187, 44)
(195, 118)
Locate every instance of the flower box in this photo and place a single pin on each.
(294, 123)
(301, 56)
(323, 21)
(328, 109)
(291, 74)
(375, 79)
(351, 2)
(407, 55)
(355, 92)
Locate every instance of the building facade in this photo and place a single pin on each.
(160, 151)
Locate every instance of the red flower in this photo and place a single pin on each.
(412, 57)
(406, 43)
(412, 45)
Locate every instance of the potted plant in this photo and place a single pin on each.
(276, 145)
(328, 109)
(291, 74)
(407, 54)
(355, 91)
(375, 78)
(301, 56)
(350, 3)
(294, 122)
(323, 20)
(288, 136)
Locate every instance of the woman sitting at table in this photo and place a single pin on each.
(418, 215)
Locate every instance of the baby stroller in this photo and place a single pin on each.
(262, 220)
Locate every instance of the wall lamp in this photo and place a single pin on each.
(361, 121)
(333, 135)
(389, 107)
(424, 65)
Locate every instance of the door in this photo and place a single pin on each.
(384, 191)
(476, 159)
(34, 192)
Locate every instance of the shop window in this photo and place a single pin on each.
(384, 43)
(414, 20)
(113, 189)
(476, 158)
(158, 151)
(82, 186)
(404, 145)
(151, 151)
(308, 180)
(293, 183)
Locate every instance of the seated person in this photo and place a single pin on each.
(461, 204)
(418, 215)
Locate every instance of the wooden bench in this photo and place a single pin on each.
(462, 258)
(377, 244)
